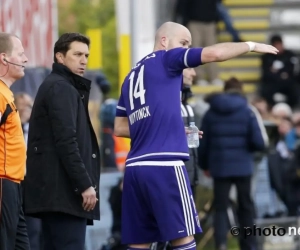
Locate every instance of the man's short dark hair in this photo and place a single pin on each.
(6, 43)
(275, 39)
(233, 84)
(63, 43)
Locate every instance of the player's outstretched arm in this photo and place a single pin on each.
(225, 51)
(121, 127)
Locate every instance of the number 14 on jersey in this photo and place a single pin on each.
(137, 90)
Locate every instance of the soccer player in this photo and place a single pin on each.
(158, 205)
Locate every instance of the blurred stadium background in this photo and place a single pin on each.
(121, 32)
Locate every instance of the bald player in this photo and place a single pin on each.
(158, 204)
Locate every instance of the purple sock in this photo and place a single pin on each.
(188, 246)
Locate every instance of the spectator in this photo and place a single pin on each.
(292, 177)
(107, 116)
(279, 158)
(281, 111)
(263, 108)
(24, 104)
(103, 84)
(225, 17)
(293, 135)
(115, 202)
(113, 149)
(279, 74)
(284, 127)
(200, 16)
(233, 131)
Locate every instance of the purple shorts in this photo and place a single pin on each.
(157, 203)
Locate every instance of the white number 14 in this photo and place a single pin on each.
(139, 91)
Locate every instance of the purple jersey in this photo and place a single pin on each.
(151, 99)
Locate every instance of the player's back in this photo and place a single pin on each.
(151, 98)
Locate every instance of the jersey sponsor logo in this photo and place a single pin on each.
(139, 115)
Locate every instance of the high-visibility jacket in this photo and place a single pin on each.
(12, 143)
(122, 147)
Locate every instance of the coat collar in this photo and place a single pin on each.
(77, 81)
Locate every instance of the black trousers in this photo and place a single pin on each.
(13, 232)
(34, 230)
(245, 210)
(63, 231)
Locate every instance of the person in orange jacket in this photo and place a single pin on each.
(13, 232)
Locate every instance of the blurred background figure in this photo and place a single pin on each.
(226, 18)
(115, 202)
(106, 116)
(188, 116)
(200, 16)
(263, 108)
(279, 75)
(114, 149)
(120, 33)
(293, 135)
(278, 161)
(24, 104)
(291, 181)
(281, 111)
(233, 131)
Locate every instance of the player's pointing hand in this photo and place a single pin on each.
(265, 48)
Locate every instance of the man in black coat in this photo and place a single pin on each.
(63, 159)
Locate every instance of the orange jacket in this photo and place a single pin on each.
(122, 148)
(12, 143)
